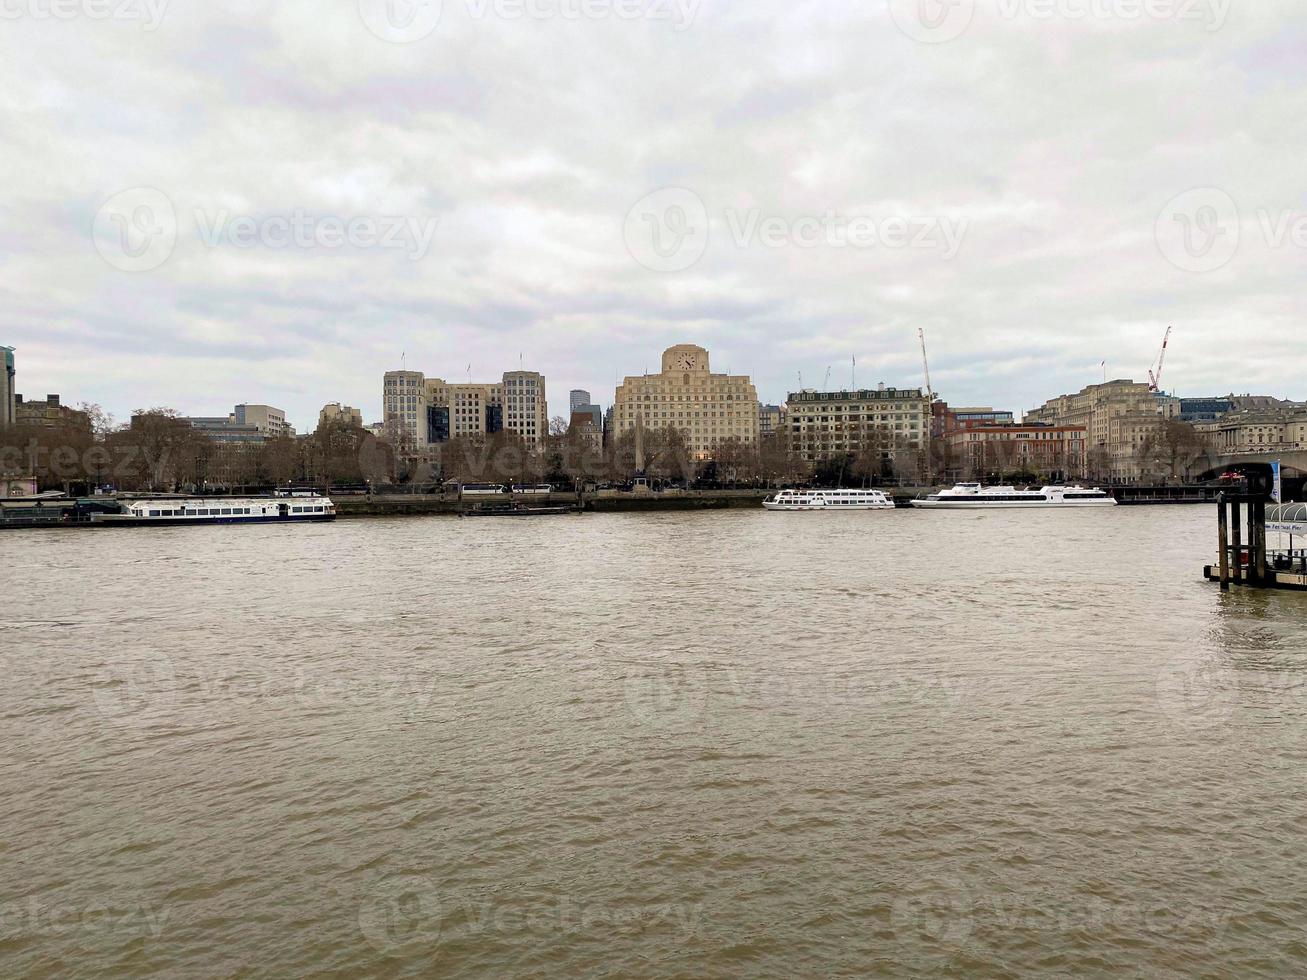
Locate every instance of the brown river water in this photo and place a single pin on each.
(723, 744)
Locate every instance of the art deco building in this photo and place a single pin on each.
(708, 408)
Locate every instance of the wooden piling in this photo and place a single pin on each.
(1258, 531)
(1236, 539)
(1223, 536)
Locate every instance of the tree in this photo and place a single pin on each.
(735, 460)
(1173, 451)
(158, 450)
(778, 462)
(669, 454)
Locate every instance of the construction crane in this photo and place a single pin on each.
(925, 365)
(1155, 380)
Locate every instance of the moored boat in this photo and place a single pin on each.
(165, 511)
(974, 496)
(829, 500)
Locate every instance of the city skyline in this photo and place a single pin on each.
(305, 419)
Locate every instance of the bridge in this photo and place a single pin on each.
(1292, 462)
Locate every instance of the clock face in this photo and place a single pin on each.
(686, 362)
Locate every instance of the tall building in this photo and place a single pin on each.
(404, 403)
(577, 398)
(686, 395)
(770, 419)
(825, 423)
(1118, 417)
(426, 411)
(7, 396)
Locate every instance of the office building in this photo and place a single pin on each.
(426, 411)
(246, 423)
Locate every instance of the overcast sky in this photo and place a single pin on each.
(270, 202)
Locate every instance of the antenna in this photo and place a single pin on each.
(853, 374)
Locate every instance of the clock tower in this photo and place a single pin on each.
(685, 358)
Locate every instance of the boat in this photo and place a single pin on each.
(974, 496)
(518, 510)
(828, 500)
(165, 511)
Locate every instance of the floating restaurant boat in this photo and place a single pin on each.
(828, 500)
(974, 496)
(161, 511)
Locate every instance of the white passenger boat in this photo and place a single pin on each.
(828, 500)
(162, 511)
(973, 496)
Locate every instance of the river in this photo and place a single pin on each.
(715, 744)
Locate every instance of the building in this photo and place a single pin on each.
(428, 411)
(7, 396)
(945, 419)
(404, 404)
(1049, 452)
(246, 423)
(50, 414)
(826, 423)
(579, 401)
(583, 424)
(1117, 416)
(771, 418)
(271, 422)
(336, 412)
(708, 408)
(1256, 431)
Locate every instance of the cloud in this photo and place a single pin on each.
(527, 138)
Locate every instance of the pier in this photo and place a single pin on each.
(1243, 557)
